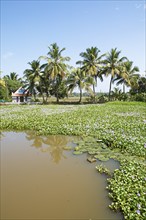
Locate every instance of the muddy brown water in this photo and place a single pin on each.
(41, 180)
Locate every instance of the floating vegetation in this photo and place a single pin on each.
(102, 169)
(112, 130)
(128, 190)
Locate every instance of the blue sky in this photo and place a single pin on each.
(29, 27)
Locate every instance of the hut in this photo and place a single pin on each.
(21, 95)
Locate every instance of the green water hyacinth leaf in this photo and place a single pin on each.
(102, 169)
(101, 157)
(77, 152)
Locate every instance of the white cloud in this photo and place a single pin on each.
(8, 55)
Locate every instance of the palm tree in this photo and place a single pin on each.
(113, 66)
(91, 64)
(128, 75)
(55, 68)
(79, 79)
(13, 82)
(13, 76)
(35, 77)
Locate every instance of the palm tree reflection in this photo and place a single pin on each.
(37, 140)
(54, 144)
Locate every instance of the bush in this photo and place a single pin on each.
(102, 99)
(138, 97)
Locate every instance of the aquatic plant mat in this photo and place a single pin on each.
(112, 130)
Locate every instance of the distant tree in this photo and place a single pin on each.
(113, 66)
(55, 68)
(116, 94)
(142, 85)
(13, 76)
(139, 86)
(12, 83)
(78, 78)
(35, 79)
(59, 90)
(3, 89)
(91, 64)
(128, 75)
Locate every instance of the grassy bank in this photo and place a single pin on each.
(112, 130)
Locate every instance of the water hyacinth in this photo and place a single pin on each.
(138, 212)
(138, 206)
(120, 127)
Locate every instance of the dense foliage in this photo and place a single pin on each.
(128, 190)
(51, 75)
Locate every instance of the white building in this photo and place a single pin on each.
(21, 95)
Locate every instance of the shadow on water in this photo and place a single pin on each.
(42, 180)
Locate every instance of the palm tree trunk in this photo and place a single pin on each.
(34, 96)
(47, 95)
(93, 93)
(109, 95)
(42, 95)
(43, 98)
(80, 95)
(123, 88)
(57, 97)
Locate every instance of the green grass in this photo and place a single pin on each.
(121, 129)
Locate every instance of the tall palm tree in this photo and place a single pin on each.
(34, 76)
(128, 75)
(91, 64)
(55, 68)
(113, 65)
(79, 79)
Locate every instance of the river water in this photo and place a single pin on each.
(40, 179)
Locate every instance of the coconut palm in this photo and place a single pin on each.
(113, 65)
(55, 68)
(128, 75)
(13, 76)
(91, 64)
(79, 79)
(13, 82)
(35, 77)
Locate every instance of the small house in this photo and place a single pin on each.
(21, 95)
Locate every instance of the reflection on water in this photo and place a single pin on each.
(53, 144)
(33, 187)
(1, 135)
